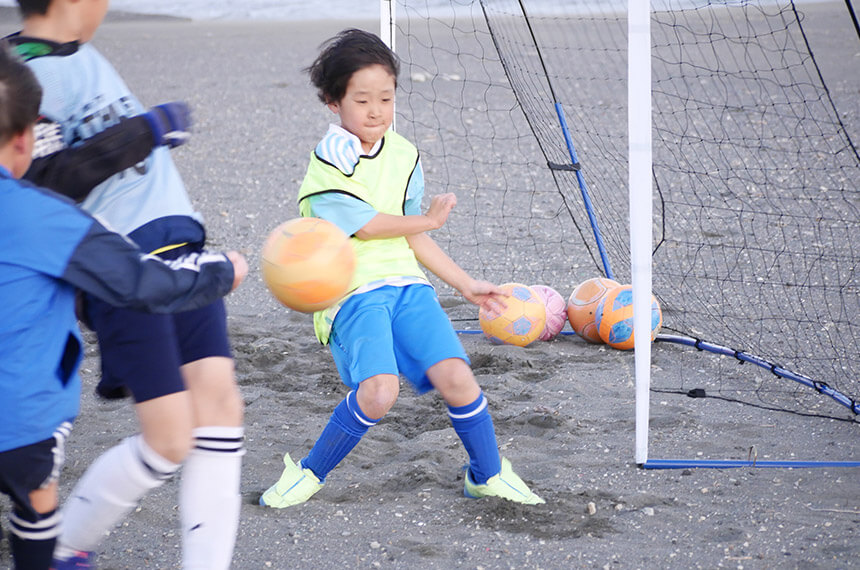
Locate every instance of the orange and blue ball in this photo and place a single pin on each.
(521, 323)
(614, 317)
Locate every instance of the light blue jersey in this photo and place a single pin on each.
(85, 95)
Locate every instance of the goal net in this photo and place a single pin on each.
(756, 225)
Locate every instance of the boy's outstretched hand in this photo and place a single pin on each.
(240, 267)
(489, 297)
(440, 207)
(170, 123)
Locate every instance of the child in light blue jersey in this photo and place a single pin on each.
(49, 247)
(97, 144)
(368, 180)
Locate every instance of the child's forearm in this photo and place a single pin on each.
(431, 256)
(383, 226)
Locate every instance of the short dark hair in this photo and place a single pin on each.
(343, 55)
(33, 7)
(20, 95)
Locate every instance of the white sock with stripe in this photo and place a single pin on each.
(209, 500)
(110, 489)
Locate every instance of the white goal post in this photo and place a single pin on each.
(640, 189)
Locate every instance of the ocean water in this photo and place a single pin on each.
(369, 9)
(294, 9)
(262, 9)
(252, 9)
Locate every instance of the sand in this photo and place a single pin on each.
(563, 410)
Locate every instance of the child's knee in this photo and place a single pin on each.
(218, 403)
(214, 393)
(453, 378)
(223, 407)
(452, 368)
(173, 446)
(377, 394)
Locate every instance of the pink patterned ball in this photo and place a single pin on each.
(556, 311)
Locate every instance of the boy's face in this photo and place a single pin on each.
(367, 107)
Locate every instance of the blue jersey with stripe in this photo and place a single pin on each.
(37, 316)
(48, 248)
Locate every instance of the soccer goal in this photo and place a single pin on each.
(552, 120)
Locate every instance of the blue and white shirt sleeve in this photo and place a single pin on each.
(111, 267)
(339, 148)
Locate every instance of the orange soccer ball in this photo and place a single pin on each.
(582, 306)
(308, 264)
(521, 323)
(615, 318)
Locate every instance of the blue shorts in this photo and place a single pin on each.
(393, 330)
(141, 352)
(25, 469)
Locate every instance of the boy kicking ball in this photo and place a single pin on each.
(48, 249)
(368, 181)
(98, 144)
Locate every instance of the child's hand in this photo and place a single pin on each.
(440, 207)
(240, 267)
(170, 123)
(486, 295)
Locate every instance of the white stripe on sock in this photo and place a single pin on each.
(471, 414)
(44, 529)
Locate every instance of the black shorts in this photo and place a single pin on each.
(141, 353)
(31, 467)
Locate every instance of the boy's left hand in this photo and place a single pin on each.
(489, 297)
(170, 123)
(440, 207)
(240, 267)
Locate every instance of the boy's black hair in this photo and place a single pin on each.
(343, 55)
(33, 7)
(20, 95)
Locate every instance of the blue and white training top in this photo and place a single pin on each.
(48, 248)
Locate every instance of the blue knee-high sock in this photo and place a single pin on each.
(475, 427)
(344, 430)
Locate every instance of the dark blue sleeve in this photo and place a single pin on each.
(75, 171)
(107, 265)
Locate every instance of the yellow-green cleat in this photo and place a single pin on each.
(295, 486)
(506, 485)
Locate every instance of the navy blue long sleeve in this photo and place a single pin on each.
(112, 268)
(48, 247)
